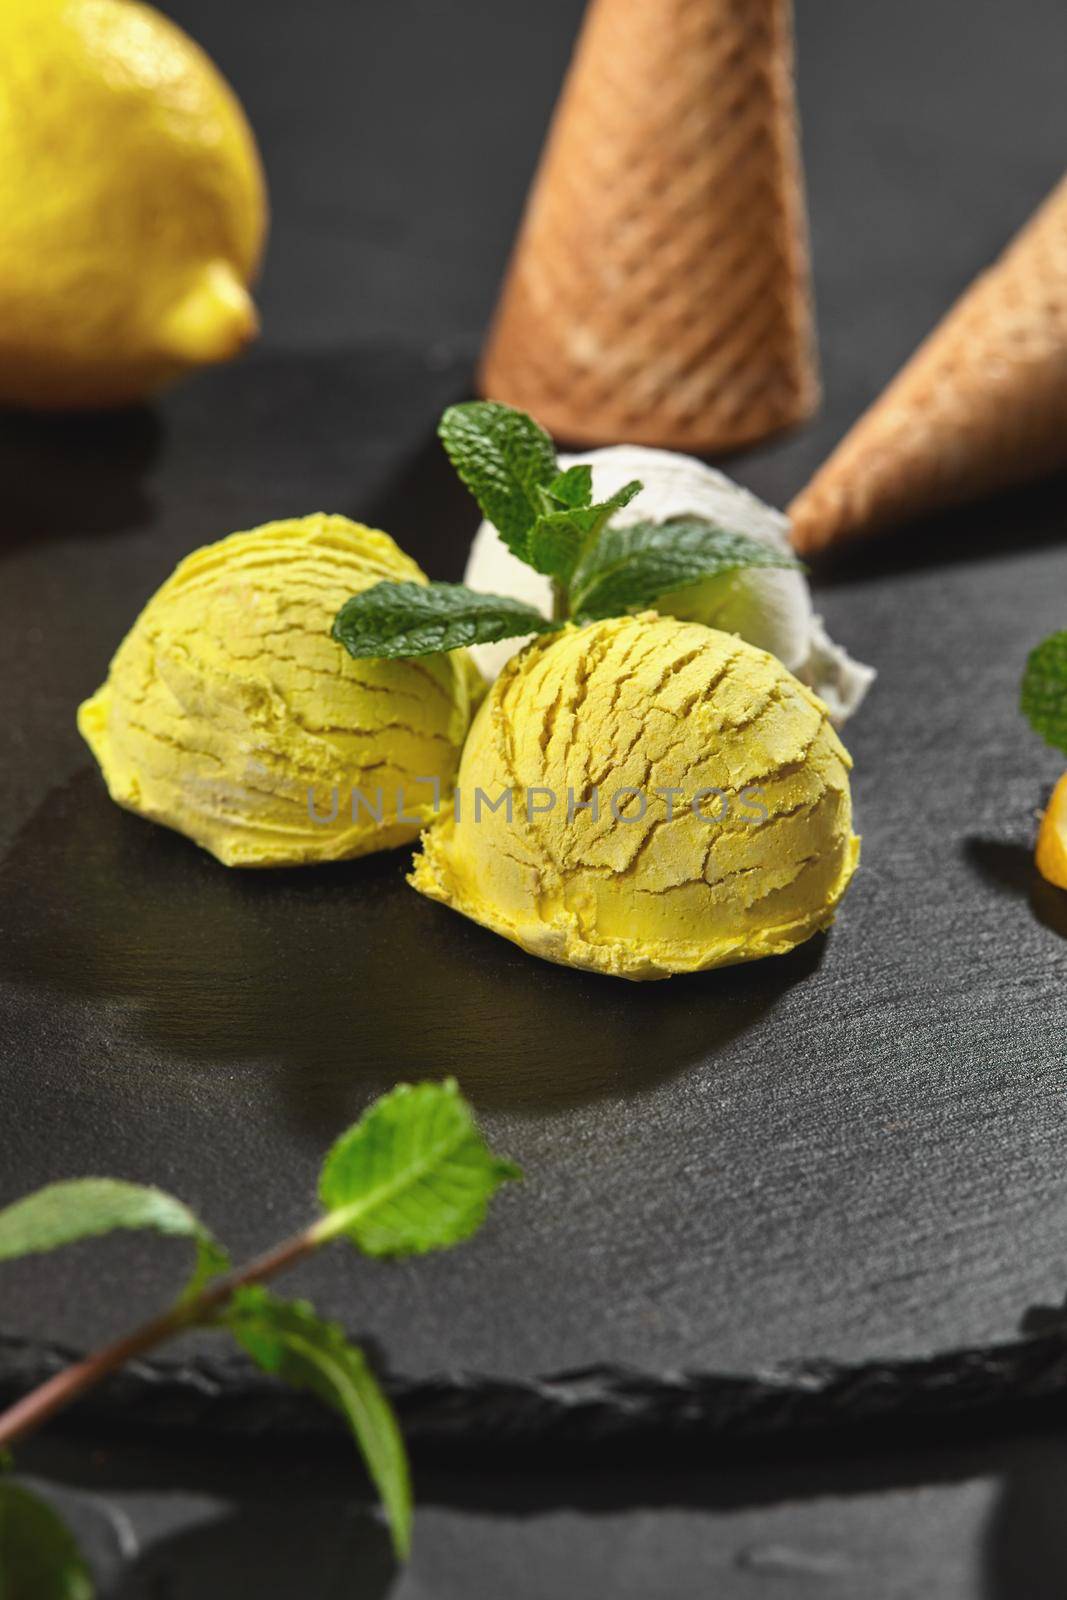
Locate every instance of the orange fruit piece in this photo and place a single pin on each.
(1051, 852)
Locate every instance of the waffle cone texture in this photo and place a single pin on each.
(658, 292)
(981, 405)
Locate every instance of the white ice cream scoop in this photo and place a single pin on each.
(771, 607)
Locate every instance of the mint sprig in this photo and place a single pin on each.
(630, 568)
(573, 487)
(85, 1208)
(288, 1340)
(420, 619)
(504, 457)
(39, 1559)
(414, 1174)
(549, 520)
(508, 462)
(1044, 690)
(559, 539)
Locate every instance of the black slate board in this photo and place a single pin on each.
(850, 1155)
(851, 1158)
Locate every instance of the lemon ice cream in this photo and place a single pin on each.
(676, 800)
(769, 606)
(230, 714)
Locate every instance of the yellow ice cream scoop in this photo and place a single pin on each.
(644, 796)
(132, 205)
(230, 714)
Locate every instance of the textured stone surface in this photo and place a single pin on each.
(851, 1154)
(726, 1175)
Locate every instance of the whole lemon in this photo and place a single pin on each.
(132, 205)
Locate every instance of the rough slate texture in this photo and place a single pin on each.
(854, 1155)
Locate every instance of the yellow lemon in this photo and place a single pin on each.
(132, 205)
(1051, 852)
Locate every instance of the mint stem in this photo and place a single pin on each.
(35, 1408)
(560, 602)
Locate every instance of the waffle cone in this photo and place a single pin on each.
(658, 290)
(981, 405)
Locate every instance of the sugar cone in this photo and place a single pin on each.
(981, 405)
(658, 291)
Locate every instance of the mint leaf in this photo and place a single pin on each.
(555, 543)
(39, 1559)
(1044, 690)
(85, 1208)
(420, 619)
(287, 1338)
(504, 457)
(558, 539)
(632, 567)
(573, 487)
(615, 502)
(413, 1174)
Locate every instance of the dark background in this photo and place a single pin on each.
(398, 140)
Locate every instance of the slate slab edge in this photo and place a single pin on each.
(589, 1405)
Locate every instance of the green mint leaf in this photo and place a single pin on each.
(39, 1559)
(573, 487)
(1044, 690)
(287, 1338)
(555, 543)
(413, 1174)
(504, 457)
(85, 1208)
(558, 539)
(421, 619)
(616, 501)
(629, 568)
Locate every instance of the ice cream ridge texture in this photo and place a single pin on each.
(230, 714)
(596, 863)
